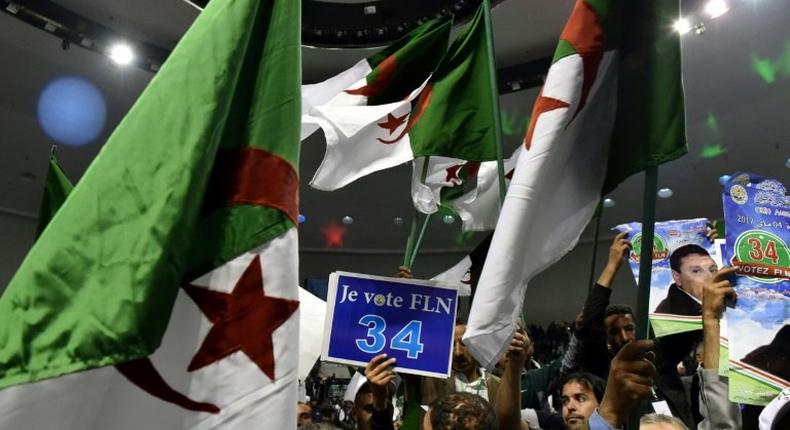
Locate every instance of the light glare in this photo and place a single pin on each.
(682, 25)
(716, 8)
(121, 54)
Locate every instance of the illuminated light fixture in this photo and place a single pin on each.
(608, 203)
(301, 219)
(787, 163)
(716, 8)
(448, 219)
(369, 10)
(397, 220)
(50, 27)
(121, 54)
(682, 25)
(86, 43)
(12, 8)
(723, 179)
(347, 220)
(665, 193)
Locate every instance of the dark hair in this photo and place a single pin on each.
(585, 379)
(683, 251)
(364, 389)
(462, 411)
(618, 310)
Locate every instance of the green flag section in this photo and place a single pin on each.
(56, 188)
(611, 105)
(650, 101)
(202, 168)
(403, 66)
(454, 114)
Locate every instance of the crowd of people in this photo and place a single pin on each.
(593, 374)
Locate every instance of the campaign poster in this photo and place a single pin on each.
(757, 216)
(409, 320)
(675, 295)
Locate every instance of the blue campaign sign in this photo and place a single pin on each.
(409, 320)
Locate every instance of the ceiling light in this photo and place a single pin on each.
(369, 10)
(608, 203)
(301, 219)
(448, 219)
(716, 8)
(682, 25)
(397, 220)
(12, 8)
(665, 193)
(347, 220)
(121, 54)
(723, 179)
(787, 163)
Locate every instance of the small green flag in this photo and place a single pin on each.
(454, 115)
(56, 188)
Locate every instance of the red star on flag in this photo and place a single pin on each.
(542, 105)
(393, 122)
(243, 320)
(452, 174)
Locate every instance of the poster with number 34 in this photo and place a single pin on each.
(409, 320)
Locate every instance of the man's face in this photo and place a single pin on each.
(578, 404)
(463, 361)
(363, 410)
(695, 271)
(620, 330)
(304, 415)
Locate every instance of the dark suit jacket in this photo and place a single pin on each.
(678, 302)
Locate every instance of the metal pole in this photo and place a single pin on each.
(495, 94)
(595, 245)
(416, 249)
(646, 256)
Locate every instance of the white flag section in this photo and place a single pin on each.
(460, 274)
(361, 139)
(319, 94)
(478, 207)
(235, 383)
(555, 189)
(312, 313)
(441, 172)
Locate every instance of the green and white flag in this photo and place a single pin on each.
(56, 188)
(470, 189)
(360, 108)
(450, 115)
(612, 105)
(163, 293)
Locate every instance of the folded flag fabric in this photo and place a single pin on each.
(612, 105)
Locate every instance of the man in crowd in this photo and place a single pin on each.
(581, 393)
(460, 411)
(304, 415)
(372, 407)
(691, 267)
(467, 375)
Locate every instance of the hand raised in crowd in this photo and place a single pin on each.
(712, 232)
(630, 379)
(715, 292)
(404, 272)
(520, 349)
(379, 374)
(620, 248)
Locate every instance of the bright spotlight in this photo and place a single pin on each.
(716, 8)
(682, 25)
(121, 53)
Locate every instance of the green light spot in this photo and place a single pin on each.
(764, 68)
(712, 151)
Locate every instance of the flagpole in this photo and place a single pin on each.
(417, 244)
(495, 94)
(410, 242)
(411, 246)
(597, 216)
(646, 256)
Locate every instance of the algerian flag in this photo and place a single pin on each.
(612, 104)
(175, 256)
(470, 189)
(56, 187)
(451, 116)
(361, 108)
